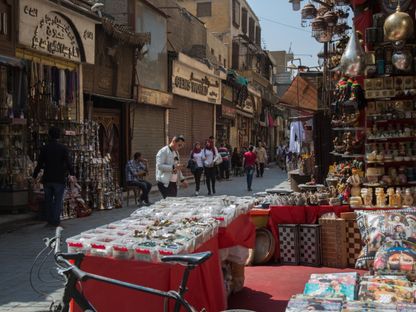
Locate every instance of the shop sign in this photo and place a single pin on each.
(227, 111)
(154, 97)
(195, 84)
(43, 28)
(227, 93)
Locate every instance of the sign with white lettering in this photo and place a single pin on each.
(45, 28)
(193, 83)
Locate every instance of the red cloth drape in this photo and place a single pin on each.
(297, 215)
(206, 283)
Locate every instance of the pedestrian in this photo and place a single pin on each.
(225, 165)
(198, 165)
(280, 156)
(236, 162)
(249, 162)
(55, 161)
(169, 168)
(136, 170)
(209, 154)
(261, 159)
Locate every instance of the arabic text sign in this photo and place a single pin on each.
(43, 28)
(195, 84)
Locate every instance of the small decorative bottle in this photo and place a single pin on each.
(392, 197)
(408, 198)
(380, 197)
(398, 198)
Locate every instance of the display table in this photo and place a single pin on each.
(206, 282)
(298, 215)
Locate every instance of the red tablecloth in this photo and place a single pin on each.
(297, 215)
(206, 283)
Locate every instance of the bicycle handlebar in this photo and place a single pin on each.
(58, 233)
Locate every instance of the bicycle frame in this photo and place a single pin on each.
(74, 274)
(71, 291)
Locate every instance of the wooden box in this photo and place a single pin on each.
(334, 242)
(353, 237)
(310, 244)
(289, 243)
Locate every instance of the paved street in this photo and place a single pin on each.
(19, 247)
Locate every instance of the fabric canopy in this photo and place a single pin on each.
(302, 94)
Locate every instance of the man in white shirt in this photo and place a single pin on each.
(169, 168)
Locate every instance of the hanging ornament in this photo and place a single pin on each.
(402, 60)
(352, 60)
(398, 26)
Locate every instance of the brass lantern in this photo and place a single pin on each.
(320, 30)
(331, 18)
(308, 12)
(398, 26)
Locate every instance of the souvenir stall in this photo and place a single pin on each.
(52, 53)
(364, 217)
(130, 250)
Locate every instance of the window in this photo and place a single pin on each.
(212, 51)
(203, 9)
(236, 13)
(258, 35)
(244, 21)
(225, 63)
(235, 55)
(251, 29)
(219, 58)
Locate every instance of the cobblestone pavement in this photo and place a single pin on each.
(19, 248)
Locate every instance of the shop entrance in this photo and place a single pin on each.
(109, 136)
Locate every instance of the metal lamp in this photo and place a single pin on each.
(295, 4)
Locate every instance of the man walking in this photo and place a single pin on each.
(261, 154)
(169, 168)
(249, 162)
(136, 170)
(225, 165)
(55, 161)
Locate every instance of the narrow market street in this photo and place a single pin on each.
(24, 243)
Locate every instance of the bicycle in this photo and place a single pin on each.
(73, 274)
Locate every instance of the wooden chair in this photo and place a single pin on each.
(136, 193)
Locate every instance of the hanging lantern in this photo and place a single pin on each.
(308, 12)
(398, 26)
(331, 18)
(320, 30)
(295, 4)
(342, 2)
(352, 60)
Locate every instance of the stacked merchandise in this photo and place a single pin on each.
(170, 226)
(96, 188)
(301, 303)
(332, 285)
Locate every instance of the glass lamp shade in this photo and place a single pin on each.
(295, 4)
(322, 36)
(342, 2)
(330, 18)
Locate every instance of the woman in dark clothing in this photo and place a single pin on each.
(197, 157)
(209, 154)
(236, 161)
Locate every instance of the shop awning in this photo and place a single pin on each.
(12, 61)
(302, 94)
(112, 98)
(241, 80)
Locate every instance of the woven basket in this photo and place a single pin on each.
(334, 242)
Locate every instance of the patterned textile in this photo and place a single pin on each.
(378, 227)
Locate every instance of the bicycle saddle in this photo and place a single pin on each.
(195, 259)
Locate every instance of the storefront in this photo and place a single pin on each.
(197, 91)
(246, 131)
(149, 124)
(226, 118)
(54, 42)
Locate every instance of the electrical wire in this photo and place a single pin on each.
(283, 24)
